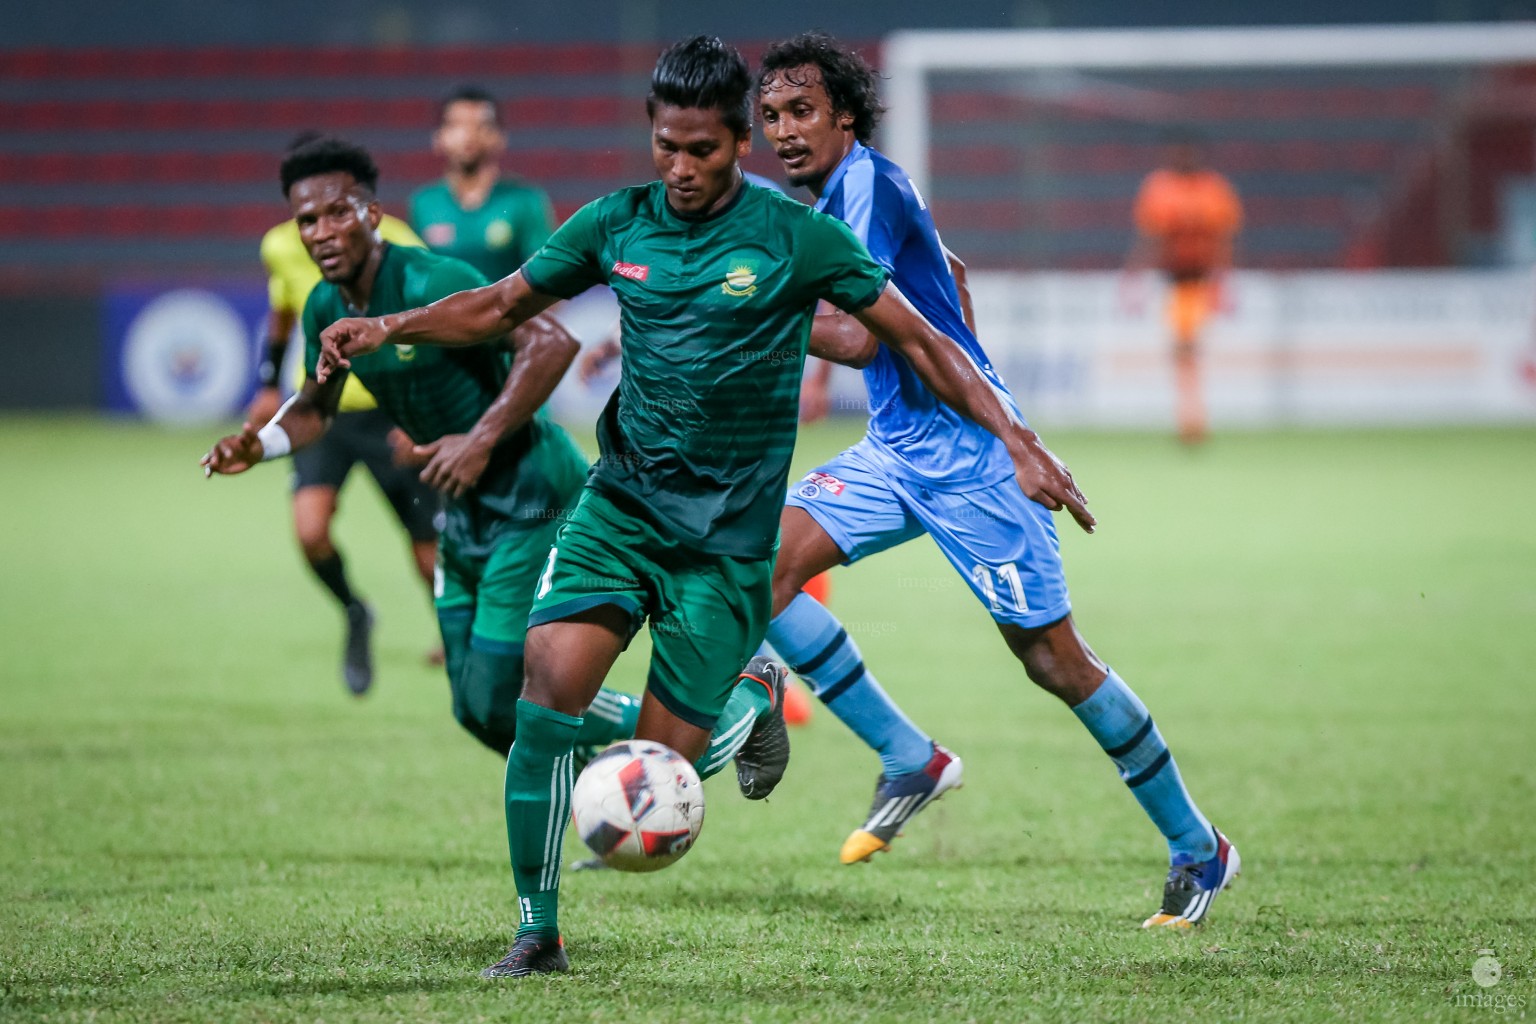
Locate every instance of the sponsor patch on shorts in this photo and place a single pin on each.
(827, 482)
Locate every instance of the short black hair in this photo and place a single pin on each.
(704, 73)
(467, 93)
(847, 77)
(326, 155)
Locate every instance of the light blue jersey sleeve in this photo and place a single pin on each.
(878, 216)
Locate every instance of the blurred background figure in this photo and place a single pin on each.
(474, 213)
(1187, 216)
(360, 434)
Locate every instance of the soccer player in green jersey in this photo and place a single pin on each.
(717, 284)
(486, 219)
(509, 473)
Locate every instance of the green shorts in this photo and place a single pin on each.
(708, 613)
(499, 587)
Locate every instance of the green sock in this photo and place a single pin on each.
(749, 700)
(538, 797)
(487, 690)
(454, 624)
(611, 717)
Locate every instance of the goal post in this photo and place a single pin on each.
(1369, 159)
(911, 57)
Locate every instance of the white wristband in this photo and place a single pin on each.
(275, 442)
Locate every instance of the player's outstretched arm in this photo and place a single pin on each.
(464, 318)
(955, 379)
(299, 423)
(840, 338)
(544, 350)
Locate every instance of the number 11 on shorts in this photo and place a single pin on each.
(1008, 573)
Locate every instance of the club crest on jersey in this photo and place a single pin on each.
(741, 279)
(405, 353)
(633, 271)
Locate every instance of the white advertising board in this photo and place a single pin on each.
(1377, 348)
(1362, 348)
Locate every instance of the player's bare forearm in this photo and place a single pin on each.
(545, 350)
(299, 422)
(311, 411)
(962, 286)
(464, 318)
(839, 338)
(469, 317)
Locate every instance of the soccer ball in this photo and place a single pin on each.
(639, 805)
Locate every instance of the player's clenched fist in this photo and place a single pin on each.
(234, 454)
(354, 336)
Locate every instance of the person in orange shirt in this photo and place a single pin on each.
(1186, 218)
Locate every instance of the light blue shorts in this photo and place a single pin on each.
(1004, 545)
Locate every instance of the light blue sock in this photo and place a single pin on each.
(1124, 728)
(817, 648)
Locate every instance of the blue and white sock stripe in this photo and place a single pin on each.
(814, 644)
(817, 647)
(835, 689)
(809, 666)
(559, 814)
(1148, 773)
(832, 669)
(725, 744)
(1129, 745)
(1140, 758)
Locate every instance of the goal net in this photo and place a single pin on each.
(1358, 152)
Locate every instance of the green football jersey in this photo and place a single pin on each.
(494, 238)
(430, 391)
(715, 317)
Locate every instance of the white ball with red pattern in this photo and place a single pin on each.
(638, 805)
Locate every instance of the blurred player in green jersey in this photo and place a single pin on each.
(361, 434)
(717, 282)
(474, 212)
(509, 474)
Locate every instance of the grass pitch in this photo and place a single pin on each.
(1335, 632)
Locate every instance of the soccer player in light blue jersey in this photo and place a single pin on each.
(922, 468)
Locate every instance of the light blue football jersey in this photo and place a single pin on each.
(915, 435)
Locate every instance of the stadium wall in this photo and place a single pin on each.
(50, 351)
(1373, 348)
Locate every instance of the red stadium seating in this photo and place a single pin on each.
(177, 150)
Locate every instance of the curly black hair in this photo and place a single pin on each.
(704, 73)
(847, 77)
(325, 155)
